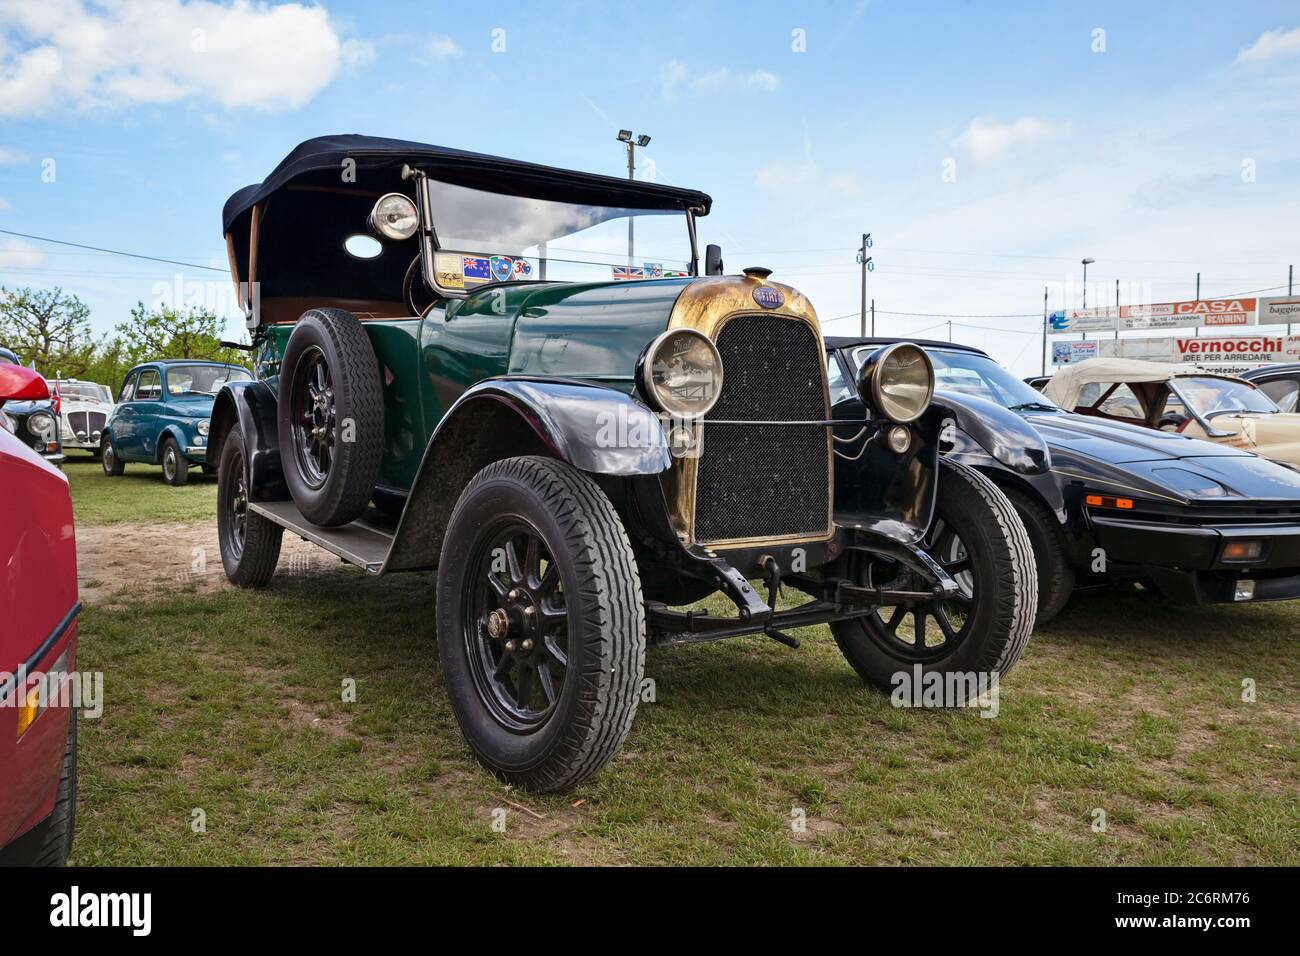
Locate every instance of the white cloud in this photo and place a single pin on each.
(1271, 43)
(357, 54)
(19, 256)
(675, 76)
(10, 157)
(6, 206)
(987, 139)
(439, 47)
(74, 54)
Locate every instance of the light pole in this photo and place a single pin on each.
(1086, 262)
(625, 136)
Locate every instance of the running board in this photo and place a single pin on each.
(363, 542)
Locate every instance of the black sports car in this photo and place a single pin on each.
(35, 424)
(1104, 502)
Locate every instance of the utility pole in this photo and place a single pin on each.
(1087, 261)
(1290, 285)
(1198, 299)
(1116, 310)
(950, 330)
(1044, 355)
(625, 136)
(864, 260)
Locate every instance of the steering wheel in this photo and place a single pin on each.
(411, 295)
(1172, 422)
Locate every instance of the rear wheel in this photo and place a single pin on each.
(541, 626)
(175, 467)
(330, 417)
(250, 544)
(108, 460)
(980, 542)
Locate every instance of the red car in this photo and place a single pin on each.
(38, 640)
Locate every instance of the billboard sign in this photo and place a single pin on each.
(1231, 353)
(1068, 353)
(1209, 313)
(1279, 310)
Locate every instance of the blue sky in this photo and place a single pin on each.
(986, 147)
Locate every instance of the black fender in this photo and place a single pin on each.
(1004, 435)
(251, 405)
(597, 429)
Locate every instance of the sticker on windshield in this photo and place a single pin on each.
(502, 266)
(477, 268)
(449, 271)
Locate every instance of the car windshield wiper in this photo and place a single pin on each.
(1033, 407)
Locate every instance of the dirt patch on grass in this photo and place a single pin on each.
(121, 561)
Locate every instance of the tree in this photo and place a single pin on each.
(47, 326)
(165, 332)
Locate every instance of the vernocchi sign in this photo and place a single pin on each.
(1228, 352)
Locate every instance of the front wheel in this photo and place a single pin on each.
(980, 541)
(541, 626)
(250, 543)
(176, 470)
(108, 460)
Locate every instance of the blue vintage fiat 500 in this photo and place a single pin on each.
(161, 417)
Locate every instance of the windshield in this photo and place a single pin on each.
(83, 392)
(201, 379)
(491, 237)
(968, 374)
(1219, 396)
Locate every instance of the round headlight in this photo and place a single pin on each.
(897, 381)
(203, 425)
(394, 217)
(681, 373)
(41, 424)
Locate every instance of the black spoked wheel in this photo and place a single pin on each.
(981, 542)
(925, 630)
(541, 625)
(314, 416)
(330, 417)
(516, 626)
(250, 544)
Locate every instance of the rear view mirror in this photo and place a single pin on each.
(18, 384)
(712, 260)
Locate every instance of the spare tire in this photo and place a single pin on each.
(330, 416)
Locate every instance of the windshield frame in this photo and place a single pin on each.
(429, 243)
(1205, 416)
(1007, 382)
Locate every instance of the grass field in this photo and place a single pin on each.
(230, 703)
(139, 494)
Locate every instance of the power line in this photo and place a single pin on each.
(111, 252)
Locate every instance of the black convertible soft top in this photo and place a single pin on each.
(327, 154)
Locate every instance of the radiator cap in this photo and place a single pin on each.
(756, 272)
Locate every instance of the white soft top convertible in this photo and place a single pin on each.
(1066, 386)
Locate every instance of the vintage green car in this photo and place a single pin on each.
(465, 363)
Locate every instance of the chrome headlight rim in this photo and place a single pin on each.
(650, 390)
(870, 377)
(42, 425)
(203, 425)
(381, 224)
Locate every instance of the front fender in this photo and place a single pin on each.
(251, 406)
(596, 429)
(175, 433)
(1004, 435)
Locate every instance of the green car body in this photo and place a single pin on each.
(634, 440)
